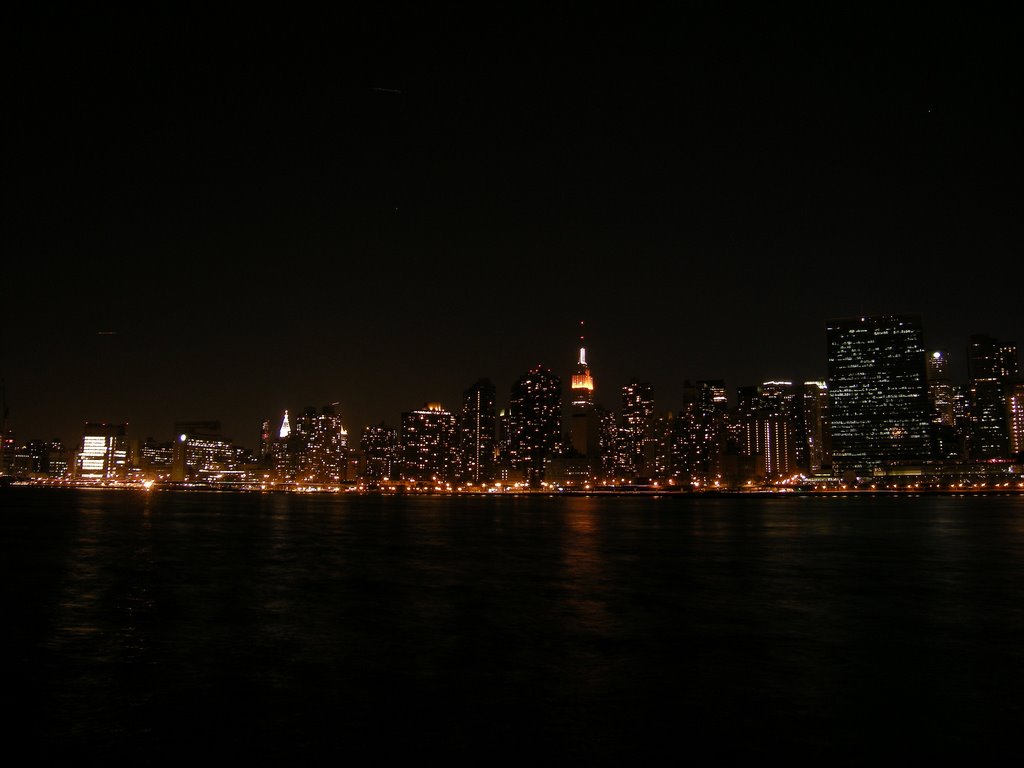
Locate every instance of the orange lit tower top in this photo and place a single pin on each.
(582, 381)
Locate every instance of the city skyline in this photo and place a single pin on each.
(212, 225)
(604, 394)
(888, 408)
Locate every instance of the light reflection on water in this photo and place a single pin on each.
(594, 628)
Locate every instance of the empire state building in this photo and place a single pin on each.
(582, 383)
(582, 416)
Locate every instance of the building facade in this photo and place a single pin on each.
(991, 365)
(878, 392)
(379, 448)
(534, 422)
(818, 427)
(201, 454)
(478, 433)
(1015, 417)
(427, 444)
(103, 455)
(638, 444)
(946, 440)
(321, 447)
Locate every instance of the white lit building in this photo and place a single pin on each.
(104, 453)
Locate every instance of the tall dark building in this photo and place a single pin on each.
(769, 425)
(59, 460)
(503, 440)
(878, 392)
(607, 435)
(991, 366)
(379, 446)
(534, 421)
(940, 388)
(817, 424)
(686, 438)
(1015, 417)
(477, 433)
(428, 444)
(713, 415)
(266, 440)
(7, 447)
(664, 433)
(945, 440)
(321, 443)
(638, 444)
(786, 399)
(700, 433)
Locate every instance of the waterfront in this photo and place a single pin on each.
(155, 627)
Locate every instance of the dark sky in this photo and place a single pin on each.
(279, 212)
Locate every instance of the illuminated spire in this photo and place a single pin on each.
(286, 427)
(582, 382)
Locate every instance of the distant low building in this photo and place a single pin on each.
(202, 455)
(944, 473)
(155, 459)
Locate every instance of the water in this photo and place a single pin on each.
(157, 628)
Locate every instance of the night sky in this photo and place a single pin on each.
(261, 214)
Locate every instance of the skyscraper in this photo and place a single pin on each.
(534, 421)
(686, 438)
(266, 440)
(428, 444)
(477, 433)
(991, 365)
(767, 437)
(379, 446)
(769, 425)
(878, 393)
(284, 450)
(941, 400)
(607, 435)
(1015, 416)
(321, 447)
(940, 388)
(582, 381)
(786, 399)
(638, 445)
(664, 432)
(817, 424)
(713, 414)
(583, 420)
